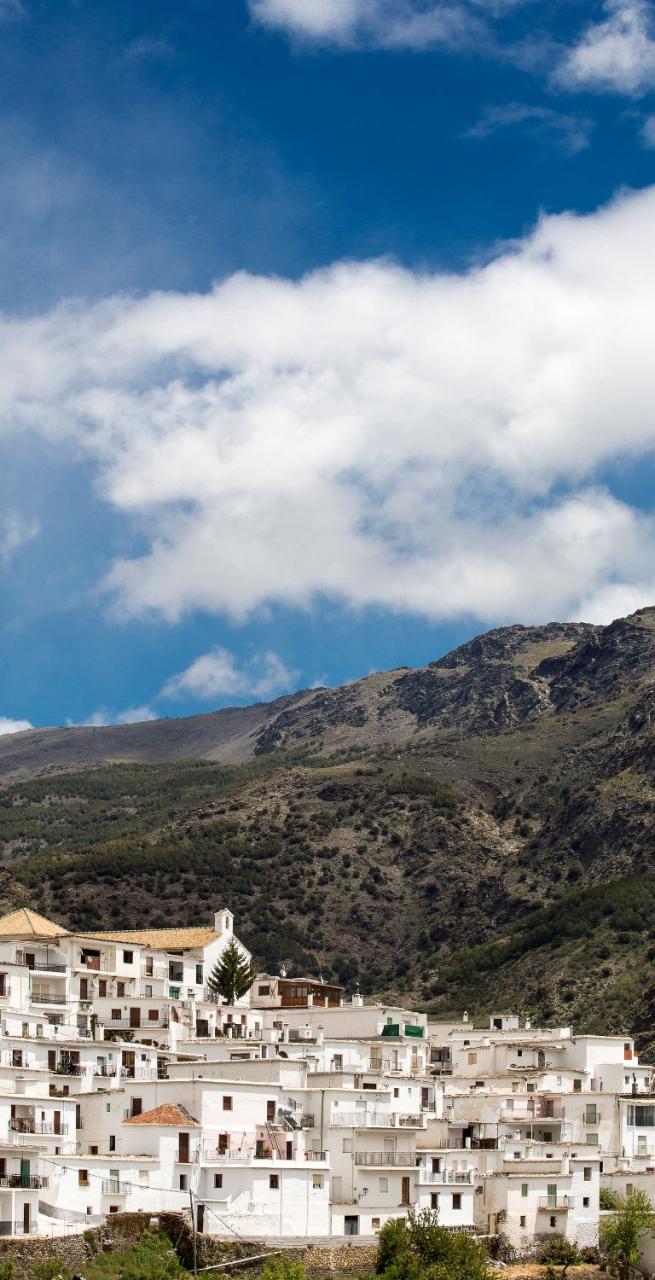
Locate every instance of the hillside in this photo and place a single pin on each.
(479, 832)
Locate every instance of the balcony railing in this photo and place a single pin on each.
(47, 997)
(42, 966)
(455, 1176)
(556, 1204)
(144, 1025)
(20, 1124)
(386, 1159)
(374, 1120)
(112, 1187)
(24, 1181)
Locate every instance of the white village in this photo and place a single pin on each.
(129, 1084)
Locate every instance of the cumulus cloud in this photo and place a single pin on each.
(13, 726)
(419, 442)
(571, 132)
(616, 55)
(15, 531)
(385, 24)
(132, 715)
(218, 674)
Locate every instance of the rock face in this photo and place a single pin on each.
(478, 832)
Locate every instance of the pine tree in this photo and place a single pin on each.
(232, 975)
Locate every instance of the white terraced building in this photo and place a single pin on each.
(125, 1086)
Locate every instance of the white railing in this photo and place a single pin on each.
(374, 1120)
(556, 1204)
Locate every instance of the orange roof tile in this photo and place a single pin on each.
(168, 1113)
(25, 923)
(160, 939)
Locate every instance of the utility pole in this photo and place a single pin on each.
(193, 1229)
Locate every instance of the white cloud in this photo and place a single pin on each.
(13, 726)
(570, 132)
(419, 442)
(219, 674)
(15, 532)
(648, 132)
(102, 717)
(616, 55)
(385, 24)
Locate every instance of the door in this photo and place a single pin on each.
(84, 988)
(404, 1199)
(351, 1225)
(183, 1148)
(57, 1122)
(52, 1059)
(29, 959)
(24, 1173)
(26, 1219)
(289, 1149)
(135, 1017)
(223, 1141)
(551, 1195)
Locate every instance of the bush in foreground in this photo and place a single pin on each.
(417, 1248)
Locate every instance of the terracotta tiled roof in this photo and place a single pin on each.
(169, 1113)
(28, 924)
(161, 939)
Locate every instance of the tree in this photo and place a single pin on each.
(620, 1234)
(232, 975)
(417, 1248)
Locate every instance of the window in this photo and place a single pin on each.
(592, 1139)
(346, 1145)
(457, 1200)
(144, 1177)
(586, 1173)
(270, 1110)
(120, 989)
(112, 1142)
(227, 1102)
(642, 1117)
(102, 987)
(317, 1181)
(434, 1200)
(264, 991)
(199, 975)
(115, 1015)
(148, 990)
(590, 1114)
(396, 1093)
(218, 1180)
(524, 1188)
(375, 1224)
(273, 1181)
(585, 1202)
(553, 1221)
(577, 1086)
(472, 1059)
(530, 1088)
(183, 1178)
(128, 957)
(93, 1151)
(522, 1220)
(153, 1015)
(83, 1177)
(519, 1053)
(383, 1184)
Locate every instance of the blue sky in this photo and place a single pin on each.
(325, 338)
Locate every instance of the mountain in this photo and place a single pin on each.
(476, 833)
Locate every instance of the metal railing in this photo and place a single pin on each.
(26, 1181)
(112, 1187)
(556, 1204)
(374, 1120)
(43, 966)
(447, 1176)
(20, 1124)
(38, 996)
(386, 1159)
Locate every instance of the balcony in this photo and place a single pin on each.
(22, 1181)
(112, 1187)
(39, 996)
(386, 1159)
(152, 1024)
(43, 966)
(556, 1204)
(20, 1124)
(446, 1176)
(374, 1120)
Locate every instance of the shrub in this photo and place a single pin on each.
(559, 1251)
(51, 1269)
(7, 1269)
(417, 1248)
(620, 1234)
(282, 1267)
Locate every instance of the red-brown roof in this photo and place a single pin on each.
(169, 1113)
